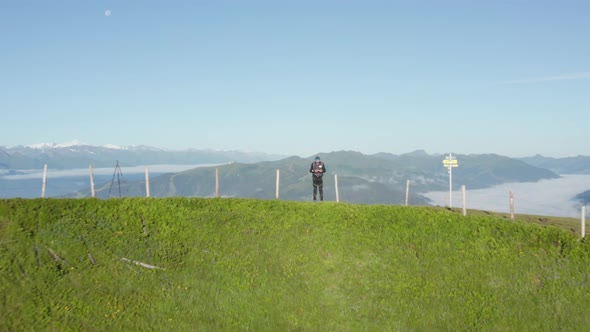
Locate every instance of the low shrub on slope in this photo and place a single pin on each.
(243, 264)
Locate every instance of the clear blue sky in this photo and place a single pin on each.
(299, 77)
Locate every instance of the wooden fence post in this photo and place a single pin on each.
(464, 200)
(511, 205)
(92, 191)
(147, 182)
(44, 186)
(583, 228)
(407, 192)
(216, 182)
(336, 187)
(278, 183)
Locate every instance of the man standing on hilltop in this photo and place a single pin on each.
(317, 170)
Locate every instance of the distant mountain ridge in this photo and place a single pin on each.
(376, 178)
(379, 178)
(583, 197)
(426, 172)
(78, 155)
(568, 165)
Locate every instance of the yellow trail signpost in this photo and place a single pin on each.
(450, 162)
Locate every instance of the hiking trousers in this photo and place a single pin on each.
(318, 183)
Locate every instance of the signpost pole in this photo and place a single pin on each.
(450, 162)
(450, 183)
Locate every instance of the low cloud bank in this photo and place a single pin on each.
(547, 197)
(38, 174)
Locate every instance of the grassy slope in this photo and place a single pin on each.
(238, 264)
(571, 225)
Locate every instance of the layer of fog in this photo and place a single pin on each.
(77, 172)
(546, 197)
(60, 183)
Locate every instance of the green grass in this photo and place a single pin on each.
(569, 224)
(267, 265)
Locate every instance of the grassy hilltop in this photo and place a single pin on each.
(267, 265)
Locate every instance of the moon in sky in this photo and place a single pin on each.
(107, 12)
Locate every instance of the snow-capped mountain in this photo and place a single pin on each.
(78, 145)
(54, 145)
(115, 147)
(76, 154)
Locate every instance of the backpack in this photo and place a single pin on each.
(318, 169)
